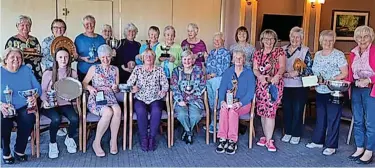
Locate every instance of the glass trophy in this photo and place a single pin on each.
(51, 98)
(26, 94)
(100, 99)
(230, 100)
(8, 100)
(92, 50)
(114, 43)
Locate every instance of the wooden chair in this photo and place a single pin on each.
(92, 120)
(133, 116)
(43, 122)
(205, 114)
(244, 118)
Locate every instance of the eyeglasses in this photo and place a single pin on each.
(55, 27)
(365, 37)
(268, 39)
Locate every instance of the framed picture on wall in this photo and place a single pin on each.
(344, 23)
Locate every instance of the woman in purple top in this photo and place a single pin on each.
(60, 70)
(196, 45)
(125, 57)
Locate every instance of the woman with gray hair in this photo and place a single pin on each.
(12, 72)
(295, 95)
(187, 85)
(125, 54)
(87, 44)
(28, 44)
(330, 64)
(106, 32)
(102, 100)
(196, 45)
(362, 76)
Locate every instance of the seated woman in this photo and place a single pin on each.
(188, 85)
(60, 70)
(150, 86)
(12, 71)
(239, 82)
(105, 80)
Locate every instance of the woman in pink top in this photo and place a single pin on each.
(61, 69)
(196, 45)
(362, 74)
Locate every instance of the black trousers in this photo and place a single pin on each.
(25, 124)
(55, 115)
(294, 100)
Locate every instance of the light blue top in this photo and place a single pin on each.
(328, 67)
(47, 60)
(21, 80)
(142, 49)
(83, 45)
(246, 85)
(218, 61)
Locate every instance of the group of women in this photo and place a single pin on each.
(238, 75)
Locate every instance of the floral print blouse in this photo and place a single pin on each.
(180, 81)
(47, 60)
(218, 61)
(149, 83)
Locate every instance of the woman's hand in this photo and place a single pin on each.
(4, 108)
(115, 88)
(162, 59)
(32, 100)
(92, 90)
(293, 74)
(162, 93)
(135, 89)
(131, 65)
(205, 55)
(172, 58)
(262, 79)
(182, 103)
(45, 104)
(275, 80)
(362, 83)
(236, 106)
(224, 105)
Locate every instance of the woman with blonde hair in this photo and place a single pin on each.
(269, 67)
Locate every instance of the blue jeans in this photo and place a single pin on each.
(188, 116)
(294, 100)
(212, 86)
(328, 117)
(363, 106)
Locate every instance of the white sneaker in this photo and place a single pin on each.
(286, 138)
(61, 132)
(294, 140)
(70, 145)
(329, 151)
(314, 145)
(53, 151)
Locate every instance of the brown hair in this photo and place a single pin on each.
(242, 29)
(58, 21)
(55, 67)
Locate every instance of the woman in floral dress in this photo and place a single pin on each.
(105, 80)
(269, 67)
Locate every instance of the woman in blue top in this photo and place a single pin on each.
(217, 61)
(12, 71)
(153, 39)
(239, 82)
(87, 44)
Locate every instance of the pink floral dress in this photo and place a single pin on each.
(103, 80)
(268, 64)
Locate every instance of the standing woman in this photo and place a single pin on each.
(330, 64)
(196, 45)
(87, 44)
(175, 50)
(150, 86)
(11, 73)
(58, 28)
(61, 69)
(362, 74)
(295, 95)
(188, 85)
(153, 39)
(269, 67)
(242, 44)
(125, 55)
(106, 32)
(24, 41)
(105, 80)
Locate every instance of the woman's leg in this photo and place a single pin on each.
(334, 112)
(69, 112)
(25, 124)
(55, 118)
(194, 115)
(183, 116)
(223, 124)
(142, 117)
(234, 116)
(100, 130)
(359, 120)
(370, 126)
(288, 101)
(6, 130)
(269, 126)
(155, 110)
(321, 119)
(298, 107)
(115, 125)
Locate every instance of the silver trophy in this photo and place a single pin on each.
(189, 86)
(26, 94)
(337, 87)
(51, 98)
(92, 51)
(114, 43)
(8, 100)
